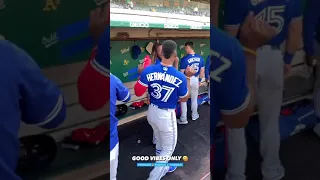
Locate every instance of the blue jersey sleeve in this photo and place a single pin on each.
(183, 88)
(235, 11)
(123, 93)
(207, 72)
(103, 51)
(311, 18)
(229, 80)
(41, 101)
(295, 9)
(201, 65)
(183, 64)
(143, 77)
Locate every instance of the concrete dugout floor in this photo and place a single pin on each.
(193, 141)
(300, 153)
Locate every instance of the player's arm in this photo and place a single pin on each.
(295, 31)
(141, 85)
(94, 80)
(176, 62)
(207, 72)
(234, 13)
(202, 69)
(310, 19)
(41, 102)
(184, 93)
(233, 89)
(123, 93)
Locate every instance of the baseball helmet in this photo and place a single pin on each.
(36, 152)
(136, 51)
(121, 109)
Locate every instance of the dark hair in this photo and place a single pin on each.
(189, 43)
(154, 51)
(168, 48)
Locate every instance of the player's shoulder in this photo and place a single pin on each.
(115, 81)
(113, 78)
(222, 43)
(198, 55)
(7, 48)
(185, 57)
(150, 68)
(14, 55)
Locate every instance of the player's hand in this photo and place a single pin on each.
(99, 21)
(189, 71)
(140, 68)
(287, 69)
(176, 60)
(254, 33)
(311, 61)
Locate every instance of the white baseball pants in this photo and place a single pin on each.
(270, 77)
(164, 125)
(194, 92)
(114, 154)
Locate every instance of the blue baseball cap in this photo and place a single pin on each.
(136, 51)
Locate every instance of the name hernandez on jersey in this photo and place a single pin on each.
(158, 76)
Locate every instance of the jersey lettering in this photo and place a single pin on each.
(159, 76)
(191, 60)
(272, 15)
(226, 64)
(195, 66)
(158, 90)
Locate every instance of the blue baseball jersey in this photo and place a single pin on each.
(158, 61)
(207, 70)
(229, 91)
(165, 85)
(311, 25)
(118, 92)
(103, 51)
(278, 13)
(25, 95)
(195, 61)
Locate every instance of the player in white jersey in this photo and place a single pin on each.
(166, 85)
(196, 62)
